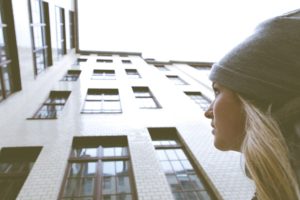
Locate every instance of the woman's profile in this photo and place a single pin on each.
(256, 110)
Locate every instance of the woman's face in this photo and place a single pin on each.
(228, 119)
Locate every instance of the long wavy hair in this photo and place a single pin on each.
(267, 156)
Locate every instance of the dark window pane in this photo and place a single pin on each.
(191, 195)
(179, 196)
(196, 182)
(4, 167)
(123, 185)
(184, 181)
(109, 185)
(72, 186)
(172, 180)
(87, 187)
(124, 197)
(75, 170)
(204, 195)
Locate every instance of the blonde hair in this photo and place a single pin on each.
(267, 156)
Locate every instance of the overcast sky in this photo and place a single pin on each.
(187, 30)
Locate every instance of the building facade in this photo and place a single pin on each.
(102, 125)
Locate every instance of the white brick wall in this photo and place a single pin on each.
(55, 136)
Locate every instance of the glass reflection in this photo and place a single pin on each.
(121, 167)
(108, 185)
(85, 152)
(109, 168)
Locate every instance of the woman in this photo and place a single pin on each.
(256, 110)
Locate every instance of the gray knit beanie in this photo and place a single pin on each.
(266, 66)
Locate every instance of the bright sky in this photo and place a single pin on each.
(187, 30)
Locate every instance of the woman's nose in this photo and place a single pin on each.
(209, 112)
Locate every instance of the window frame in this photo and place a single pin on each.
(171, 134)
(24, 159)
(10, 79)
(161, 67)
(176, 80)
(199, 99)
(98, 60)
(103, 74)
(102, 100)
(127, 61)
(136, 90)
(133, 73)
(99, 142)
(57, 107)
(71, 75)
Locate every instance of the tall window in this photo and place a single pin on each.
(9, 64)
(52, 107)
(99, 168)
(15, 165)
(60, 31)
(71, 75)
(199, 99)
(5, 62)
(102, 101)
(72, 29)
(37, 25)
(161, 67)
(100, 74)
(145, 98)
(181, 173)
(177, 80)
(132, 73)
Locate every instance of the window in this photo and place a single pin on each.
(161, 67)
(199, 99)
(10, 80)
(145, 98)
(60, 32)
(102, 101)
(38, 35)
(104, 61)
(126, 61)
(177, 80)
(79, 61)
(132, 73)
(182, 175)
(103, 74)
(53, 105)
(71, 75)
(99, 168)
(15, 165)
(72, 29)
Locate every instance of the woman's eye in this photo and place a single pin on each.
(216, 91)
